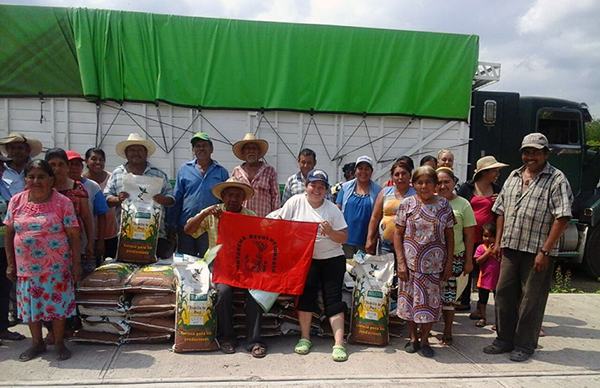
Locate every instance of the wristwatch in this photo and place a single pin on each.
(545, 253)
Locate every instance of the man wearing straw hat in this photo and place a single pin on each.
(137, 150)
(20, 149)
(533, 210)
(193, 186)
(257, 174)
(233, 193)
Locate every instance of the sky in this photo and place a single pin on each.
(547, 48)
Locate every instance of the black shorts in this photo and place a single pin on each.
(326, 275)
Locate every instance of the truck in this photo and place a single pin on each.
(80, 78)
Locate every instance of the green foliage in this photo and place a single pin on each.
(592, 132)
(562, 283)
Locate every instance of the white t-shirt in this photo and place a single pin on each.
(297, 208)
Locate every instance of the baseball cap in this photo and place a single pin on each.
(73, 155)
(200, 136)
(364, 159)
(535, 140)
(318, 175)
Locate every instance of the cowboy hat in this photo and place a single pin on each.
(134, 139)
(15, 137)
(487, 163)
(232, 182)
(250, 138)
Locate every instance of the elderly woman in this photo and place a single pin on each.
(357, 199)
(462, 261)
(424, 245)
(257, 174)
(328, 266)
(43, 251)
(381, 226)
(481, 192)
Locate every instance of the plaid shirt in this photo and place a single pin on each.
(529, 217)
(210, 225)
(115, 186)
(295, 185)
(266, 189)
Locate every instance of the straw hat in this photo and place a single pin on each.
(135, 139)
(232, 182)
(15, 137)
(250, 138)
(487, 163)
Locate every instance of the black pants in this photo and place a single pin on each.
(188, 245)
(224, 307)
(5, 287)
(328, 276)
(484, 296)
(110, 247)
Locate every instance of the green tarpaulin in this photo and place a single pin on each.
(234, 64)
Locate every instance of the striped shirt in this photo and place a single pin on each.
(529, 216)
(266, 189)
(115, 186)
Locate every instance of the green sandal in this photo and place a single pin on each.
(303, 346)
(339, 354)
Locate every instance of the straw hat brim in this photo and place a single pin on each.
(491, 166)
(237, 147)
(122, 146)
(218, 189)
(35, 145)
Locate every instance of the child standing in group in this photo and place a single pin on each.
(489, 272)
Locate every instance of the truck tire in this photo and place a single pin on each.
(592, 253)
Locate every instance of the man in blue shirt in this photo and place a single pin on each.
(20, 149)
(193, 192)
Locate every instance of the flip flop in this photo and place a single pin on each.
(31, 353)
(481, 323)
(303, 346)
(62, 353)
(338, 353)
(447, 341)
(258, 351)
(12, 336)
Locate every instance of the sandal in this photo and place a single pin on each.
(474, 316)
(62, 353)
(338, 353)
(227, 348)
(12, 336)
(447, 341)
(32, 353)
(303, 346)
(481, 323)
(258, 351)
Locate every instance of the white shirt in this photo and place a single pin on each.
(298, 208)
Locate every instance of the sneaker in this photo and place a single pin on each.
(496, 349)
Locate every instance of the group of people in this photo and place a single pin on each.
(61, 220)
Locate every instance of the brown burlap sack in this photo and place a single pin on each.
(146, 337)
(96, 338)
(153, 278)
(108, 278)
(153, 324)
(152, 302)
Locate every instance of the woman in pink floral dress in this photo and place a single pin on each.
(423, 241)
(43, 251)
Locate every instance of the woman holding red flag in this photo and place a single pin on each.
(328, 265)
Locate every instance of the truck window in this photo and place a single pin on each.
(560, 126)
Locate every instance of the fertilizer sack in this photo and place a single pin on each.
(196, 321)
(371, 299)
(153, 278)
(108, 278)
(140, 219)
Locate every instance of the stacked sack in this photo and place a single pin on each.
(151, 313)
(103, 304)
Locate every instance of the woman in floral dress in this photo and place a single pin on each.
(423, 241)
(43, 251)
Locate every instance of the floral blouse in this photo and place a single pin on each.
(41, 243)
(424, 238)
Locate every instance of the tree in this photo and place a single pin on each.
(592, 132)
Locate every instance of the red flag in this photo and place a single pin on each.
(264, 254)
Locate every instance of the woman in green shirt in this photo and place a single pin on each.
(463, 246)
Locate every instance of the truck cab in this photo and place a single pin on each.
(500, 120)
